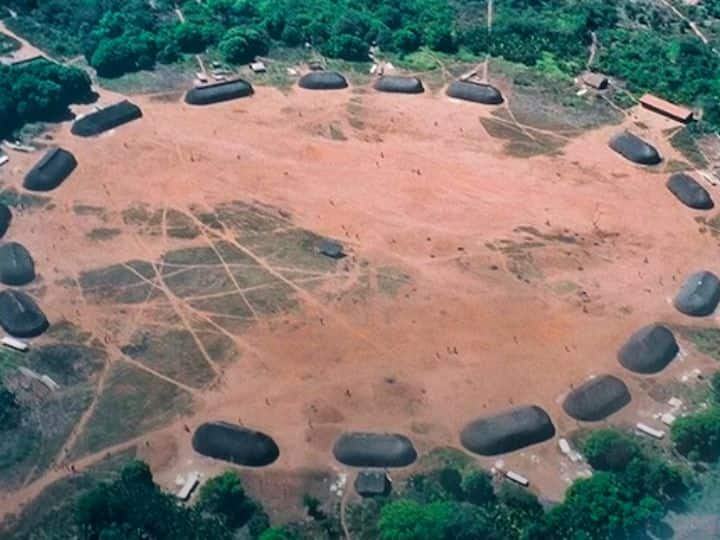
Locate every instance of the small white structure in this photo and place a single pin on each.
(189, 486)
(47, 381)
(668, 419)
(200, 76)
(4, 159)
(647, 430)
(675, 403)
(258, 67)
(517, 478)
(14, 343)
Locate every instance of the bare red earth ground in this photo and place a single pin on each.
(420, 186)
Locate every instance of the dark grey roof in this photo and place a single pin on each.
(16, 264)
(331, 249)
(699, 295)
(236, 444)
(372, 483)
(20, 316)
(399, 84)
(477, 92)
(359, 449)
(597, 399)
(5, 218)
(689, 192)
(649, 349)
(323, 80)
(218, 92)
(635, 149)
(106, 119)
(507, 431)
(52, 169)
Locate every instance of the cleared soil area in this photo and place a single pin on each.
(183, 249)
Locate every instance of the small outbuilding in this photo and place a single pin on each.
(258, 67)
(598, 81)
(331, 249)
(664, 107)
(373, 483)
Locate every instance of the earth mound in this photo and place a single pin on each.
(359, 449)
(477, 92)
(597, 399)
(48, 173)
(399, 84)
(323, 80)
(16, 264)
(507, 431)
(218, 92)
(699, 295)
(689, 192)
(649, 349)
(20, 316)
(633, 148)
(236, 444)
(106, 119)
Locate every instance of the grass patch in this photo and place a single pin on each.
(391, 280)
(174, 353)
(52, 510)
(14, 199)
(705, 340)
(164, 78)
(132, 402)
(684, 142)
(103, 234)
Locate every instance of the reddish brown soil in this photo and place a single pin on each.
(489, 318)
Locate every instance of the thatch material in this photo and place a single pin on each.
(689, 192)
(5, 218)
(106, 119)
(399, 84)
(372, 483)
(597, 399)
(477, 92)
(359, 449)
(20, 316)
(635, 149)
(218, 92)
(323, 80)
(507, 431)
(16, 264)
(649, 349)
(52, 169)
(236, 444)
(699, 295)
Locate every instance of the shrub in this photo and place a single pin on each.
(610, 450)
(698, 435)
